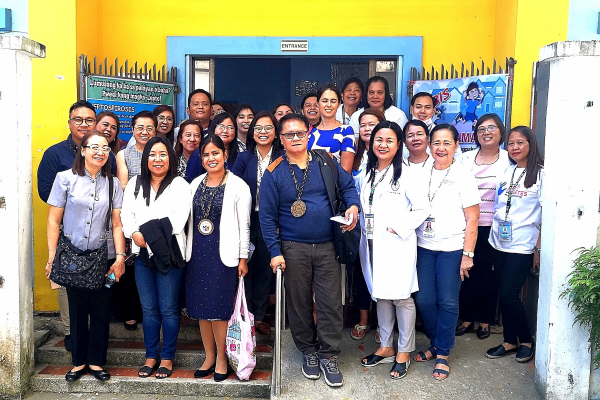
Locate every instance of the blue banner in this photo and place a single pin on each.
(124, 111)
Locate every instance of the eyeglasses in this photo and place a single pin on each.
(266, 128)
(489, 128)
(219, 111)
(226, 127)
(88, 121)
(97, 149)
(141, 128)
(160, 118)
(291, 135)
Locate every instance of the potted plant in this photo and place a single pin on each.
(583, 293)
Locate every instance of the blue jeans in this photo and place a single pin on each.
(159, 295)
(438, 273)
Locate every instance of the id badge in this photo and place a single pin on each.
(429, 229)
(369, 225)
(505, 231)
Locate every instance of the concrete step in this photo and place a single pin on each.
(189, 355)
(40, 337)
(51, 378)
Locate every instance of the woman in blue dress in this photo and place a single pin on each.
(330, 135)
(218, 243)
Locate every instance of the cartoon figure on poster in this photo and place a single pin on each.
(461, 101)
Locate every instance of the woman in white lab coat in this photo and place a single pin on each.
(394, 204)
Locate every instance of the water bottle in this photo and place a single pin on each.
(110, 280)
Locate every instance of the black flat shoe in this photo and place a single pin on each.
(101, 374)
(483, 333)
(130, 327)
(221, 377)
(202, 373)
(498, 351)
(461, 329)
(72, 376)
(524, 353)
(374, 359)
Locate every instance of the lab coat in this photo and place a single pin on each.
(403, 208)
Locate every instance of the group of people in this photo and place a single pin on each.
(223, 197)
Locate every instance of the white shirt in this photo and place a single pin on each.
(450, 194)
(342, 116)
(261, 166)
(525, 212)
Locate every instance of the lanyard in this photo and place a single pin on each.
(374, 186)
(429, 196)
(511, 188)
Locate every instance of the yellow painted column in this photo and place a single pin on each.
(54, 83)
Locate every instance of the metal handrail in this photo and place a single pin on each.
(279, 319)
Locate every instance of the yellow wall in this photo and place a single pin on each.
(54, 81)
(136, 30)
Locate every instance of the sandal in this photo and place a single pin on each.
(442, 373)
(400, 368)
(359, 331)
(147, 370)
(374, 359)
(163, 371)
(424, 357)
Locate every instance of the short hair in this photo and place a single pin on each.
(497, 121)
(115, 146)
(535, 161)
(179, 145)
(361, 146)
(144, 114)
(354, 79)
(447, 127)
(414, 122)
(306, 96)
(78, 167)
(81, 104)
(329, 86)
(396, 161)
(251, 143)
(196, 91)
(388, 102)
(292, 117)
(145, 175)
(423, 94)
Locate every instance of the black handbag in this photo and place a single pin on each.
(346, 243)
(80, 269)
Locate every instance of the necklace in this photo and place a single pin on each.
(441, 183)
(423, 162)
(490, 161)
(205, 226)
(260, 171)
(299, 207)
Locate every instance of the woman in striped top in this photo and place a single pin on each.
(479, 293)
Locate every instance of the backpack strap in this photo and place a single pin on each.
(138, 183)
(110, 201)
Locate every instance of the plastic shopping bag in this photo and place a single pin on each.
(241, 339)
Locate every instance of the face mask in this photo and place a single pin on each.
(428, 122)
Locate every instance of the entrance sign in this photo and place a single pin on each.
(127, 97)
(294, 46)
(461, 101)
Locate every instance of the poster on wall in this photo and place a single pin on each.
(126, 97)
(461, 101)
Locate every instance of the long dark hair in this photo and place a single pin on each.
(78, 167)
(145, 176)
(535, 161)
(217, 141)
(115, 146)
(388, 102)
(361, 146)
(251, 143)
(396, 161)
(179, 145)
(237, 112)
(497, 121)
(233, 146)
(160, 109)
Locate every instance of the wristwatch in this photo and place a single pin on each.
(468, 254)
(121, 254)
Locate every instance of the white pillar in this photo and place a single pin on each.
(570, 73)
(16, 237)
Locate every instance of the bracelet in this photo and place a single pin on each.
(51, 249)
(121, 254)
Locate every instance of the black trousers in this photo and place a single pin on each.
(258, 280)
(512, 270)
(479, 293)
(308, 264)
(89, 344)
(127, 297)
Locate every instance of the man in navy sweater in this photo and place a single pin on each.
(295, 221)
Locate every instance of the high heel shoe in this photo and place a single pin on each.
(221, 377)
(202, 373)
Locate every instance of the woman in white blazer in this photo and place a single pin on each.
(218, 245)
(394, 205)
